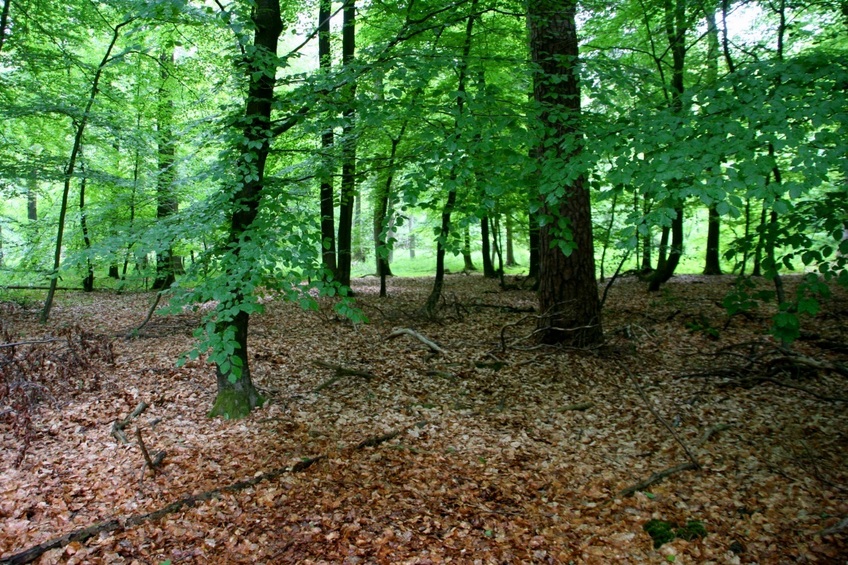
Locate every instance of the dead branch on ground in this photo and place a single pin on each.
(340, 372)
(662, 420)
(657, 477)
(119, 425)
(156, 460)
(435, 348)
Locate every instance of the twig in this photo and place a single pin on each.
(119, 425)
(710, 432)
(662, 420)
(154, 462)
(580, 407)
(152, 309)
(17, 343)
(406, 331)
(614, 276)
(657, 477)
(836, 528)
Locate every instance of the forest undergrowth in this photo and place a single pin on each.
(687, 438)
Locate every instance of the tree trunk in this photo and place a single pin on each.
(713, 261)
(488, 268)
(88, 281)
(71, 167)
(466, 249)
(675, 29)
(444, 233)
(348, 188)
(236, 394)
(328, 224)
(533, 272)
(568, 291)
(510, 249)
(166, 199)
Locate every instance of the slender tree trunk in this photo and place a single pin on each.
(608, 234)
(466, 249)
(167, 204)
(444, 232)
(382, 222)
(675, 28)
(348, 187)
(412, 242)
(510, 246)
(328, 224)
(4, 20)
(79, 126)
(568, 291)
(662, 254)
(236, 394)
(761, 238)
(88, 281)
(496, 246)
(488, 268)
(712, 261)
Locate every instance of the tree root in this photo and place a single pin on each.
(340, 372)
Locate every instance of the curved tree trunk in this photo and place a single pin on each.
(236, 394)
(167, 204)
(328, 224)
(568, 291)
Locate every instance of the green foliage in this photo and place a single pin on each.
(662, 532)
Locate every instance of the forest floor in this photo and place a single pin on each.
(494, 451)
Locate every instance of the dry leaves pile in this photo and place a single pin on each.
(493, 455)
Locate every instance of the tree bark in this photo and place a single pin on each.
(488, 267)
(568, 292)
(328, 224)
(236, 394)
(167, 264)
(466, 249)
(712, 265)
(79, 127)
(347, 193)
(450, 203)
(88, 281)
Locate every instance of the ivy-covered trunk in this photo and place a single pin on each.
(236, 394)
(568, 291)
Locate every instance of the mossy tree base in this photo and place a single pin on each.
(232, 403)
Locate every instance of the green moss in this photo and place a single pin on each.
(663, 532)
(692, 530)
(233, 404)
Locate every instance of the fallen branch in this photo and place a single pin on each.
(710, 432)
(119, 425)
(157, 458)
(836, 528)
(802, 389)
(113, 524)
(662, 420)
(580, 406)
(503, 308)
(36, 342)
(406, 331)
(657, 477)
(340, 372)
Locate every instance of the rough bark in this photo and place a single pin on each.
(568, 292)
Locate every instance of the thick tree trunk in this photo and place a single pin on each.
(533, 271)
(236, 393)
(328, 224)
(568, 292)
